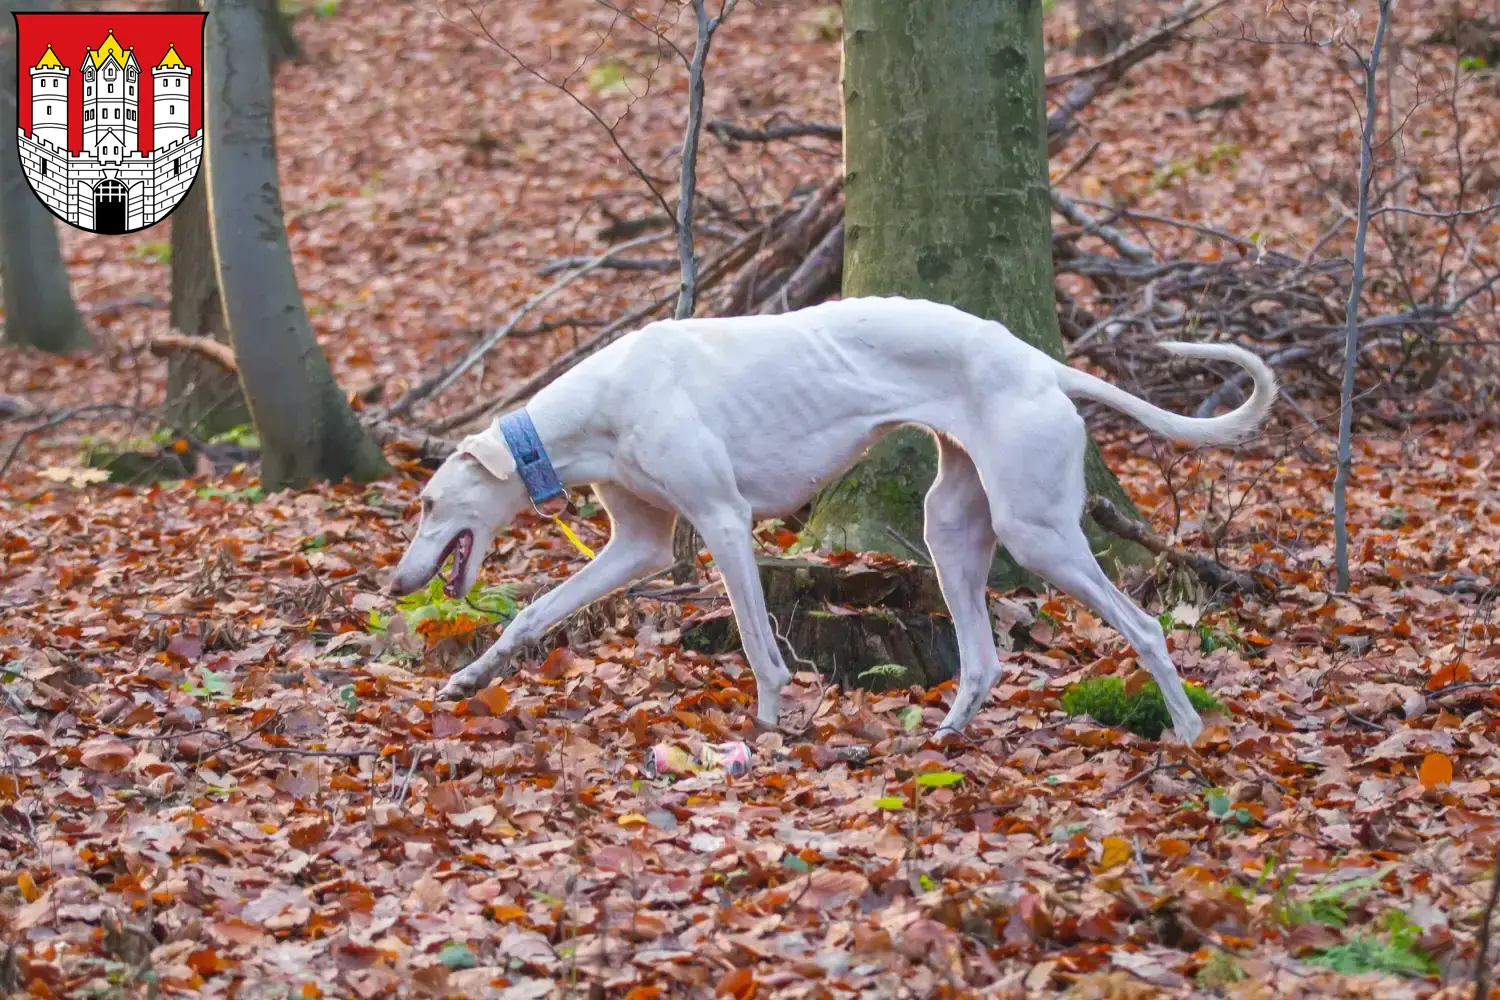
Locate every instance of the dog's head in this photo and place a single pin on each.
(471, 496)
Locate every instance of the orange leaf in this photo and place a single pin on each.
(738, 983)
(1172, 847)
(1117, 851)
(495, 698)
(1449, 673)
(207, 962)
(1437, 769)
(28, 888)
(644, 993)
(507, 912)
(107, 755)
(1135, 683)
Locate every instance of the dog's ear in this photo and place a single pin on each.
(489, 450)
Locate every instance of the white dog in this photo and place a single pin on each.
(725, 421)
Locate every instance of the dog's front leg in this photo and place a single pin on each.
(640, 543)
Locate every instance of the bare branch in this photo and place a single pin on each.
(1068, 209)
(727, 131)
(165, 344)
(1452, 214)
(1356, 288)
(433, 387)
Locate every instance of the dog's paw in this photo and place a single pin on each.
(458, 687)
(1188, 730)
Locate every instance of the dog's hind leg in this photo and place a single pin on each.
(962, 543)
(1036, 487)
(640, 543)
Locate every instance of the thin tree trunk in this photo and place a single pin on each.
(307, 430)
(1351, 310)
(946, 198)
(685, 540)
(39, 309)
(204, 397)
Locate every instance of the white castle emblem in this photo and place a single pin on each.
(111, 186)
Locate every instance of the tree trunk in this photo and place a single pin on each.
(204, 398)
(39, 309)
(946, 198)
(307, 430)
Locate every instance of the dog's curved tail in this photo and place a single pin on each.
(1229, 428)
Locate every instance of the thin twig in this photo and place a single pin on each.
(456, 370)
(728, 131)
(166, 344)
(1481, 961)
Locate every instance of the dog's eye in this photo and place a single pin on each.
(426, 506)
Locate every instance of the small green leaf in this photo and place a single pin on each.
(216, 684)
(926, 883)
(1217, 801)
(893, 802)
(910, 717)
(457, 955)
(939, 779)
(795, 863)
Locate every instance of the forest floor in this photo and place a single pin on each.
(222, 771)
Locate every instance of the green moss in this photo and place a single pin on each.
(1103, 699)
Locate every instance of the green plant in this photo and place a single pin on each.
(1222, 969)
(241, 434)
(1144, 713)
(432, 604)
(608, 78)
(891, 673)
(159, 252)
(1392, 950)
(208, 685)
(250, 494)
(1216, 800)
(1473, 63)
(1327, 904)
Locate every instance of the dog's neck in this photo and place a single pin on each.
(580, 448)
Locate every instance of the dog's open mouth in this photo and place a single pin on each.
(461, 548)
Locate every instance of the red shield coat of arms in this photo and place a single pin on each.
(110, 114)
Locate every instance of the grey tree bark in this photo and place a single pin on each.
(946, 198)
(306, 427)
(39, 308)
(203, 396)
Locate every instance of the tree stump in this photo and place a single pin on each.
(857, 624)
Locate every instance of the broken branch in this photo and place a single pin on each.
(1212, 572)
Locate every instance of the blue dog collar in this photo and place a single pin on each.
(532, 463)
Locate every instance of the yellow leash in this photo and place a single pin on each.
(570, 536)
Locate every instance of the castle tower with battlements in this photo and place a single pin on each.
(49, 100)
(169, 99)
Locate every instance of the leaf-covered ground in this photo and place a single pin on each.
(222, 771)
